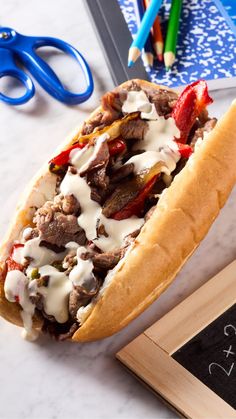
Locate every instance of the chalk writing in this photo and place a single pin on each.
(227, 353)
(211, 356)
(229, 327)
(222, 368)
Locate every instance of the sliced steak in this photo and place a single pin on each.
(100, 159)
(98, 178)
(164, 100)
(57, 228)
(93, 123)
(37, 300)
(131, 153)
(106, 260)
(204, 116)
(96, 194)
(122, 195)
(80, 297)
(51, 246)
(95, 172)
(67, 204)
(100, 194)
(69, 334)
(122, 172)
(112, 103)
(207, 127)
(197, 132)
(58, 330)
(69, 261)
(132, 85)
(134, 129)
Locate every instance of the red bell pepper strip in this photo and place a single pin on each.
(188, 107)
(135, 207)
(63, 157)
(116, 146)
(185, 150)
(11, 264)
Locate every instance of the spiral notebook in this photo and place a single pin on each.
(206, 42)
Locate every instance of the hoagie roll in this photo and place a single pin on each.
(106, 225)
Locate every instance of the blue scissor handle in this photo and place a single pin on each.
(49, 80)
(9, 68)
(25, 47)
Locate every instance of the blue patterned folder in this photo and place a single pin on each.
(206, 42)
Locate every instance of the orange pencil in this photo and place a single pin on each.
(158, 44)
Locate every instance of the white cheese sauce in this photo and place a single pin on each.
(25, 234)
(158, 145)
(148, 159)
(160, 133)
(138, 101)
(81, 158)
(91, 212)
(18, 255)
(158, 142)
(84, 312)
(117, 231)
(30, 335)
(82, 272)
(40, 255)
(56, 293)
(16, 285)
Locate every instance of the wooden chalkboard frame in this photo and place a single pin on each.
(149, 355)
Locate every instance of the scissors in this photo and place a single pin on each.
(14, 45)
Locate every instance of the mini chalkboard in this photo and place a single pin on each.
(188, 357)
(211, 356)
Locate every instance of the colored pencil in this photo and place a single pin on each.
(172, 33)
(148, 49)
(158, 43)
(143, 32)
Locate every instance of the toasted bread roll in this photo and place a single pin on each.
(180, 220)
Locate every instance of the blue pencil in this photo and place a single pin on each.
(143, 32)
(148, 49)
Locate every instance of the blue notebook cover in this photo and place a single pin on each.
(206, 46)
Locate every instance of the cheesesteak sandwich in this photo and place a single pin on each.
(104, 228)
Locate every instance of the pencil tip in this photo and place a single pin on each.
(160, 57)
(130, 63)
(168, 68)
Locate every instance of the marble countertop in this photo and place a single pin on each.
(63, 380)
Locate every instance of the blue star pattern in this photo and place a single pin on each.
(206, 45)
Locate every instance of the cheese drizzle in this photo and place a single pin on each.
(158, 145)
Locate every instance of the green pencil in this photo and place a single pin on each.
(172, 33)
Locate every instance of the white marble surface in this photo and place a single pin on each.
(63, 380)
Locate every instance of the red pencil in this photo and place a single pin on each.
(158, 43)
